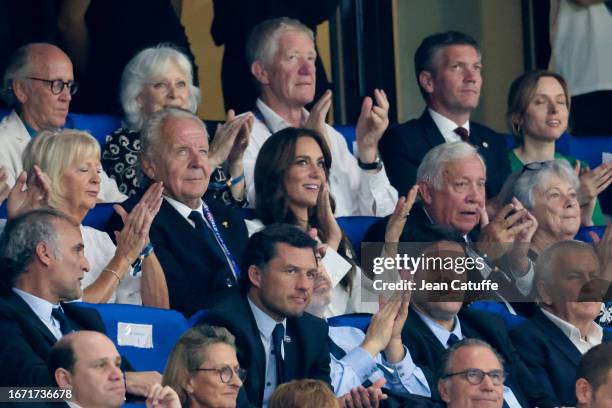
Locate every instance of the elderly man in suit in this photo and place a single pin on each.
(278, 342)
(43, 263)
(554, 339)
(594, 378)
(38, 84)
(286, 78)
(448, 70)
(199, 244)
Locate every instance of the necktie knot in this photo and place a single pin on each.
(452, 339)
(197, 219)
(463, 133)
(65, 326)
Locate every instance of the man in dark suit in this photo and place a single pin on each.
(554, 339)
(43, 262)
(448, 70)
(437, 321)
(276, 339)
(198, 244)
(594, 378)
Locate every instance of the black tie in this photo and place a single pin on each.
(452, 339)
(278, 334)
(463, 133)
(202, 228)
(65, 326)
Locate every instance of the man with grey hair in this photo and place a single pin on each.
(282, 58)
(42, 255)
(472, 375)
(552, 341)
(38, 85)
(448, 71)
(199, 244)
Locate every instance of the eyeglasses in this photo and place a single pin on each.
(534, 166)
(475, 376)
(226, 373)
(57, 85)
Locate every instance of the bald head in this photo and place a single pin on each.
(30, 75)
(88, 363)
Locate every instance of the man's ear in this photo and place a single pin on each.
(20, 90)
(444, 394)
(63, 378)
(584, 392)
(255, 276)
(260, 72)
(148, 167)
(426, 192)
(543, 292)
(44, 253)
(426, 81)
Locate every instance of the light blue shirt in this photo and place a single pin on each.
(443, 334)
(358, 366)
(42, 308)
(265, 325)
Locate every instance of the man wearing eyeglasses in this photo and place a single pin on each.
(38, 84)
(472, 375)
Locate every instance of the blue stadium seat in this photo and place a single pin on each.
(349, 133)
(498, 308)
(166, 325)
(97, 124)
(355, 228)
(588, 148)
(4, 112)
(98, 216)
(583, 233)
(360, 321)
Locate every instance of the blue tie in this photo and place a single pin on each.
(65, 326)
(452, 339)
(278, 335)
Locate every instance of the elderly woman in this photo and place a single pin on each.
(203, 368)
(71, 161)
(160, 77)
(538, 111)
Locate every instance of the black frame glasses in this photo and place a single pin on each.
(57, 85)
(226, 373)
(475, 376)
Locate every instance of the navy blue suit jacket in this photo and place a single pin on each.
(403, 147)
(426, 351)
(550, 356)
(194, 270)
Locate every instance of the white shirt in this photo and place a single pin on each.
(43, 309)
(99, 250)
(356, 191)
(447, 127)
(185, 210)
(265, 325)
(594, 338)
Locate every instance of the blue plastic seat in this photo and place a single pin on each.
(583, 233)
(98, 125)
(99, 216)
(498, 308)
(360, 321)
(350, 134)
(355, 228)
(166, 327)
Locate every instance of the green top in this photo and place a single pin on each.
(516, 165)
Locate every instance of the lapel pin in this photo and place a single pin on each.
(225, 224)
(287, 339)
(485, 144)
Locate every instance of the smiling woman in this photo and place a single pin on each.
(71, 161)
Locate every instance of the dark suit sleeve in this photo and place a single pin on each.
(400, 164)
(321, 366)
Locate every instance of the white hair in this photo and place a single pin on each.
(530, 180)
(431, 169)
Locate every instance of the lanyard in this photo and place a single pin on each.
(260, 117)
(213, 226)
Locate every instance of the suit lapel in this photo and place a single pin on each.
(557, 338)
(26, 313)
(292, 360)
(432, 133)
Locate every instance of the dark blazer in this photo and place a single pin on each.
(194, 269)
(550, 355)
(426, 351)
(403, 147)
(306, 355)
(26, 341)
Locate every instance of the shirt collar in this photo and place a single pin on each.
(183, 209)
(594, 336)
(265, 323)
(447, 126)
(273, 120)
(41, 307)
(441, 333)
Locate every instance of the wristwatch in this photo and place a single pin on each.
(375, 165)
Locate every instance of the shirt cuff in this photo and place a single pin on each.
(361, 362)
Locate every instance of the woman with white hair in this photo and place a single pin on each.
(70, 159)
(160, 77)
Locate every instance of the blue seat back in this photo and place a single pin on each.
(355, 228)
(99, 216)
(360, 321)
(98, 125)
(498, 308)
(196, 317)
(166, 327)
(583, 233)
(349, 133)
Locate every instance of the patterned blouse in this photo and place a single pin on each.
(120, 161)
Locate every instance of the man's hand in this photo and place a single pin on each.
(603, 247)
(498, 235)
(361, 397)
(36, 195)
(371, 125)
(162, 396)
(592, 182)
(397, 220)
(381, 326)
(318, 114)
(225, 138)
(140, 383)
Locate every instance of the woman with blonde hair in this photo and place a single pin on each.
(203, 368)
(70, 159)
(303, 394)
